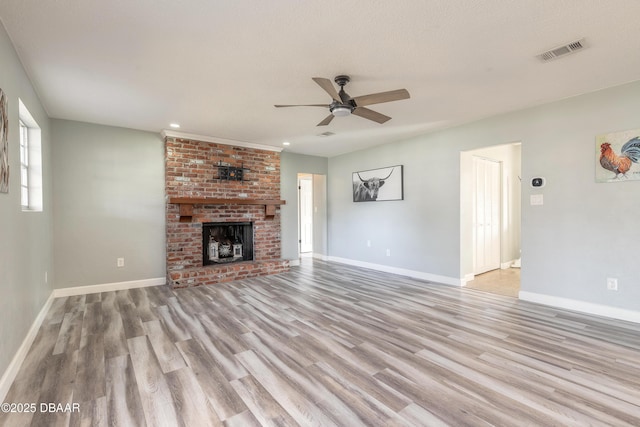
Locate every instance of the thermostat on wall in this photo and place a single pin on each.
(538, 182)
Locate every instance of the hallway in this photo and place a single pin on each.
(501, 281)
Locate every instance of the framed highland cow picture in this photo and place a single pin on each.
(618, 156)
(377, 185)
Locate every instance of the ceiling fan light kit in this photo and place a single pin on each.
(341, 111)
(344, 105)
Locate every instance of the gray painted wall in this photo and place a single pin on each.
(25, 237)
(584, 233)
(421, 231)
(108, 203)
(291, 165)
(320, 244)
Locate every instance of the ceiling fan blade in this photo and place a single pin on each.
(326, 121)
(379, 98)
(303, 105)
(371, 115)
(328, 87)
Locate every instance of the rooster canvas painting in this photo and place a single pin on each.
(618, 156)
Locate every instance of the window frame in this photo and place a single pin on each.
(30, 161)
(24, 166)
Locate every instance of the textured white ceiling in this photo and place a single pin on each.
(217, 67)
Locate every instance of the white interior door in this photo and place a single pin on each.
(306, 214)
(486, 214)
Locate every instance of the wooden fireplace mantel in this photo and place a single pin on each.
(186, 205)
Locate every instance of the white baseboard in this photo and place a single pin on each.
(452, 281)
(467, 278)
(14, 367)
(505, 265)
(322, 257)
(107, 287)
(294, 262)
(582, 306)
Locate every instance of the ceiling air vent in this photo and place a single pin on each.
(559, 51)
(325, 134)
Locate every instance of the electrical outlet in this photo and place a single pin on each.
(612, 284)
(120, 262)
(368, 243)
(388, 252)
(46, 277)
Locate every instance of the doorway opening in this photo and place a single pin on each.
(305, 214)
(490, 219)
(312, 215)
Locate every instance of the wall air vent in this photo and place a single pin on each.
(563, 50)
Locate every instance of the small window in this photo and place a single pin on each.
(24, 165)
(30, 162)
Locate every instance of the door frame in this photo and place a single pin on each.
(511, 156)
(309, 178)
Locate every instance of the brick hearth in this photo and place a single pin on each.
(191, 171)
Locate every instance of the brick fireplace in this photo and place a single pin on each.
(210, 182)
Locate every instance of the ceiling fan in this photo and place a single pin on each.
(344, 105)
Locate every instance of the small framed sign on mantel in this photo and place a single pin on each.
(230, 173)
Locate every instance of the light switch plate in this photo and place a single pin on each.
(536, 200)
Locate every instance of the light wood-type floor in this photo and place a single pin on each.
(501, 281)
(323, 345)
